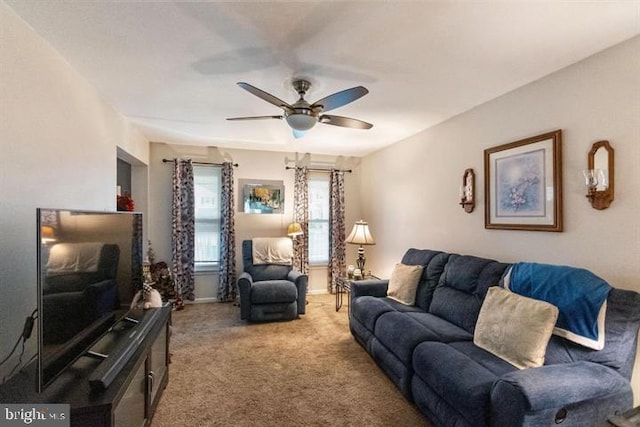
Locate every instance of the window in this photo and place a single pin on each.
(206, 182)
(318, 218)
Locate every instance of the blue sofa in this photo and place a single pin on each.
(427, 350)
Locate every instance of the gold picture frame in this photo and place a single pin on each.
(523, 184)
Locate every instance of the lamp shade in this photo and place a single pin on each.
(47, 233)
(360, 235)
(294, 229)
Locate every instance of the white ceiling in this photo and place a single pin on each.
(172, 67)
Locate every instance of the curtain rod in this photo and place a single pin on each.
(200, 163)
(321, 170)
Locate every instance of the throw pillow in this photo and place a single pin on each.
(514, 328)
(404, 283)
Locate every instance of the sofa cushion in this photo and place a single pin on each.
(404, 282)
(462, 288)
(457, 378)
(515, 328)
(273, 291)
(368, 309)
(433, 263)
(482, 357)
(400, 334)
(445, 331)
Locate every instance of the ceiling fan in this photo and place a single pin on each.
(302, 116)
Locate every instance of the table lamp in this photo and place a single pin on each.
(360, 235)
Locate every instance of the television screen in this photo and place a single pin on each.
(89, 268)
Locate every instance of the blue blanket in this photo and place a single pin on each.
(579, 295)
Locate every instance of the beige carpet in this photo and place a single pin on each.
(306, 372)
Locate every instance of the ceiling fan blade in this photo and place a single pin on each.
(266, 96)
(297, 134)
(256, 118)
(341, 98)
(346, 122)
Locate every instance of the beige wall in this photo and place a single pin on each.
(410, 190)
(252, 165)
(58, 144)
(53, 125)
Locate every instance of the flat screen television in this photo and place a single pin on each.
(89, 268)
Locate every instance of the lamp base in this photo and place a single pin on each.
(361, 259)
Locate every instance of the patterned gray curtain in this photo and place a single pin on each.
(301, 215)
(183, 229)
(337, 236)
(227, 285)
(136, 252)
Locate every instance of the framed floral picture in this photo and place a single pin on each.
(523, 184)
(262, 196)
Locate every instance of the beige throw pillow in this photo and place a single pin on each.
(515, 328)
(404, 283)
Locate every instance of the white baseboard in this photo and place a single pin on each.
(212, 299)
(202, 300)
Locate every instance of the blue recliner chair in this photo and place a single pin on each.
(270, 291)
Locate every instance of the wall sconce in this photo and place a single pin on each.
(360, 235)
(599, 175)
(468, 191)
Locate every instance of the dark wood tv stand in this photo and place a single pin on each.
(132, 396)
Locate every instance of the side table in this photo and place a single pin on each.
(343, 286)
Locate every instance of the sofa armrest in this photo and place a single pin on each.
(294, 275)
(301, 281)
(369, 287)
(580, 390)
(244, 287)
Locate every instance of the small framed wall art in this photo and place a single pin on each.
(261, 196)
(523, 184)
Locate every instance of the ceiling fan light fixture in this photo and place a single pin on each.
(301, 121)
(302, 116)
